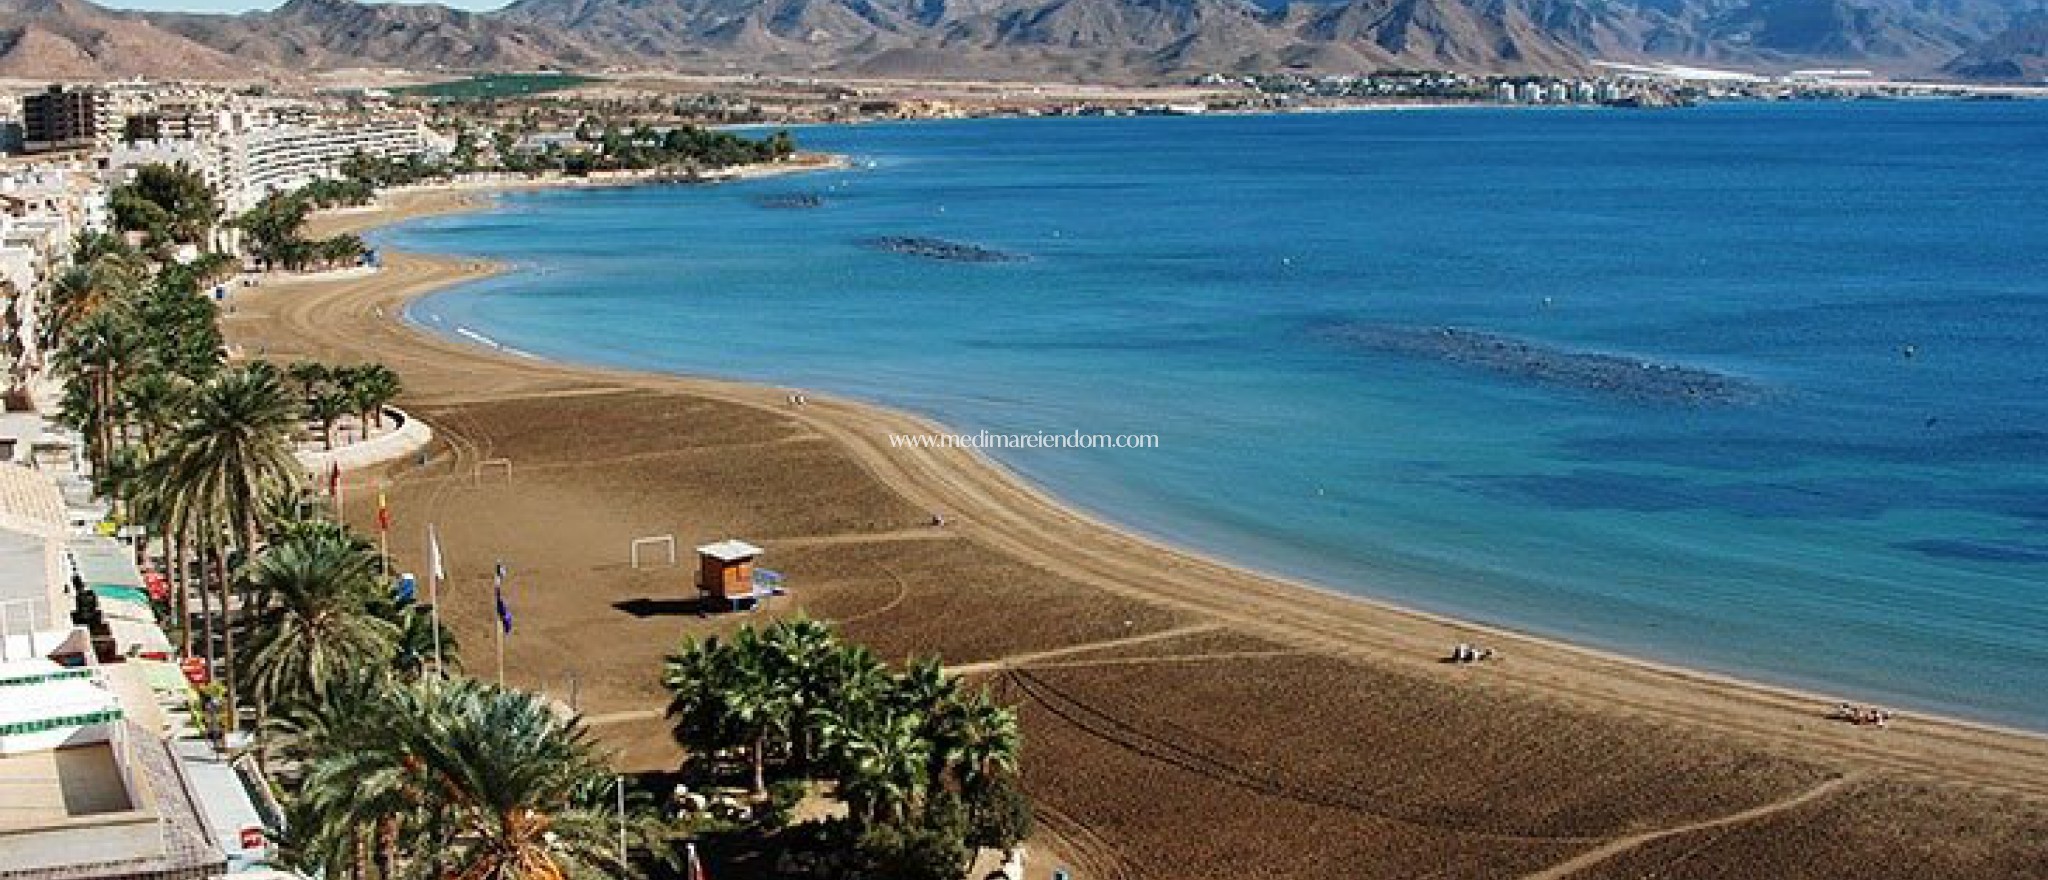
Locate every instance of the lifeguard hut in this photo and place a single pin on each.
(726, 575)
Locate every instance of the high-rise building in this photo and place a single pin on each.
(63, 119)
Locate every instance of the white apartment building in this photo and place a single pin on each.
(246, 162)
(284, 158)
(43, 208)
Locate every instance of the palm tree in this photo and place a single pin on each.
(310, 594)
(290, 509)
(233, 454)
(310, 376)
(99, 353)
(153, 401)
(727, 694)
(338, 250)
(416, 642)
(70, 296)
(370, 388)
(325, 407)
(88, 246)
(193, 528)
(336, 719)
(90, 286)
(150, 505)
(481, 782)
(924, 687)
(883, 759)
(363, 712)
(695, 675)
(807, 662)
(118, 478)
(974, 741)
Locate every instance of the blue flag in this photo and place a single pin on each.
(404, 592)
(498, 587)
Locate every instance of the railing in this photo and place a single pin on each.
(44, 725)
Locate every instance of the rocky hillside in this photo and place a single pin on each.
(2018, 53)
(64, 39)
(320, 34)
(1091, 39)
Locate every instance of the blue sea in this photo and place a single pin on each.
(1864, 511)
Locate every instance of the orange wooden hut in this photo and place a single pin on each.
(725, 572)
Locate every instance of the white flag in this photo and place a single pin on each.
(434, 566)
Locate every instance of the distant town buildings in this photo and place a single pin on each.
(247, 147)
(68, 147)
(60, 118)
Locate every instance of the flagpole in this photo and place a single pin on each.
(501, 617)
(383, 537)
(434, 598)
(500, 630)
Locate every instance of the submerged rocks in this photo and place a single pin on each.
(1613, 375)
(940, 249)
(789, 201)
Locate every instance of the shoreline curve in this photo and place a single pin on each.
(999, 508)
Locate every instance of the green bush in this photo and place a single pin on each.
(998, 815)
(783, 797)
(911, 854)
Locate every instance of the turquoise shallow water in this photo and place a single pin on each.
(1866, 512)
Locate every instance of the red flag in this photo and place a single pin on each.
(383, 514)
(334, 478)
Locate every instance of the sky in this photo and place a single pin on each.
(246, 5)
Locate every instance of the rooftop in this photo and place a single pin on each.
(39, 703)
(30, 498)
(730, 550)
(70, 827)
(41, 788)
(32, 585)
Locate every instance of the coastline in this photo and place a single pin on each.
(996, 509)
(866, 415)
(871, 415)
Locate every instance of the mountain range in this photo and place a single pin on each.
(1097, 40)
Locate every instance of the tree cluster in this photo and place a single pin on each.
(389, 769)
(342, 192)
(329, 392)
(169, 205)
(598, 146)
(275, 231)
(684, 146)
(926, 766)
(383, 172)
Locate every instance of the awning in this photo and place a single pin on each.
(105, 562)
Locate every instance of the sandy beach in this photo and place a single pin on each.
(1184, 718)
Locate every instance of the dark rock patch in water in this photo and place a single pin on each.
(1978, 551)
(789, 201)
(940, 249)
(1612, 375)
(1601, 489)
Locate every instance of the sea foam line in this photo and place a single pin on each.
(486, 340)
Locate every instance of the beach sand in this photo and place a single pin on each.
(1183, 718)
